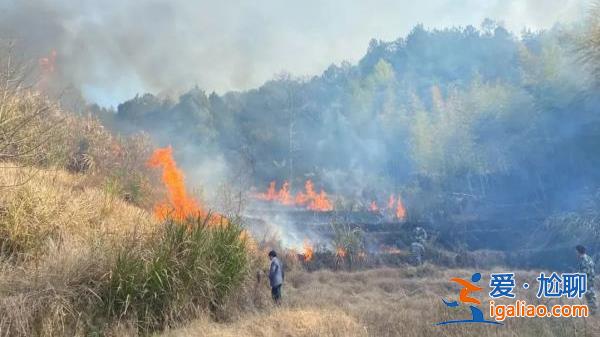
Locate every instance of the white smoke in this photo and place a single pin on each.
(113, 49)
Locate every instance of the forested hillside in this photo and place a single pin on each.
(458, 120)
(444, 156)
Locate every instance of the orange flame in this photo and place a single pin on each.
(284, 196)
(391, 202)
(270, 195)
(309, 199)
(48, 64)
(340, 252)
(373, 207)
(390, 250)
(308, 251)
(395, 204)
(321, 203)
(179, 205)
(400, 210)
(303, 198)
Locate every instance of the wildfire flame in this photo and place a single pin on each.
(271, 193)
(391, 202)
(48, 64)
(303, 198)
(340, 252)
(400, 210)
(179, 206)
(395, 204)
(308, 251)
(321, 203)
(309, 198)
(373, 207)
(284, 196)
(390, 250)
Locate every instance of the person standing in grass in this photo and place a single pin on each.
(417, 248)
(586, 266)
(276, 276)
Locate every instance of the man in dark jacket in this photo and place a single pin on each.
(275, 277)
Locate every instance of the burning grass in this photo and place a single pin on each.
(179, 206)
(77, 260)
(76, 256)
(309, 199)
(113, 270)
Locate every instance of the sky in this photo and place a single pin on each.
(115, 49)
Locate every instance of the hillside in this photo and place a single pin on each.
(420, 185)
(462, 122)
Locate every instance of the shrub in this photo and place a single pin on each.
(187, 267)
(348, 243)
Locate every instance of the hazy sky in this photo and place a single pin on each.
(113, 49)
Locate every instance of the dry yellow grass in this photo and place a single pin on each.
(56, 208)
(57, 236)
(61, 240)
(300, 322)
(70, 227)
(381, 302)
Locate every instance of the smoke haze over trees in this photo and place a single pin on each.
(448, 148)
(463, 122)
(111, 50)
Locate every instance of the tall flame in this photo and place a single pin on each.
(271, 194)
(340, 252)
(284, 196)
(400, 210)
(308, 251)
(302, 198)
(179, 206)
(313, 201)
(397, 207)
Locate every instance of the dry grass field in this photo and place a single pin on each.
(67, 235)
(379, 302)
(81, 255)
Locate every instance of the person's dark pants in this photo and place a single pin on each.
(276, 293)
